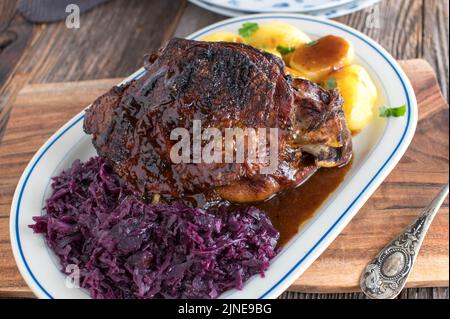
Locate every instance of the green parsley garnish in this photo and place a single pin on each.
(392, 111)
(247, 29)
(330, 84)
(285, 50)
(312, 43)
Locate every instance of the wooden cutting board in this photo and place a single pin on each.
(42, 108)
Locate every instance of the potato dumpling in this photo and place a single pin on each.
(359, 93)
(277, 34)
(318, 58)
(223, 36)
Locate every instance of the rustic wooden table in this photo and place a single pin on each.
(114, 36)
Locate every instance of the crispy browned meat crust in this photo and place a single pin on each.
(224, 85)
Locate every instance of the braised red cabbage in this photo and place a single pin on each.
(125, 248)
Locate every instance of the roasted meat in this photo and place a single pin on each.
(224, 85)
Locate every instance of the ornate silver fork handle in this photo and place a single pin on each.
(386, 275)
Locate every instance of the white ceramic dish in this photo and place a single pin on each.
(331, 12)
(377, 149)
(285, 6)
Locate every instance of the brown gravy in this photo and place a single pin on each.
(325, 53)
(289, 210)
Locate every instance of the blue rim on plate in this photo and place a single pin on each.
(138, 73)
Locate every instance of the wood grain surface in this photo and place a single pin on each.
(113, 38)
(391, 208)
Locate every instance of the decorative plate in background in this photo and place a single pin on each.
(331, 12)
(286, 6)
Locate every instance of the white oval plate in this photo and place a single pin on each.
(377, 149)
(286, 6)
(331, 12)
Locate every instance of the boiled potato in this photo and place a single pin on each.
(276, 34)
(273, 51)
(359, 93)
(287, 58)
(319, 58)
(223, 36)
(294, 73)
